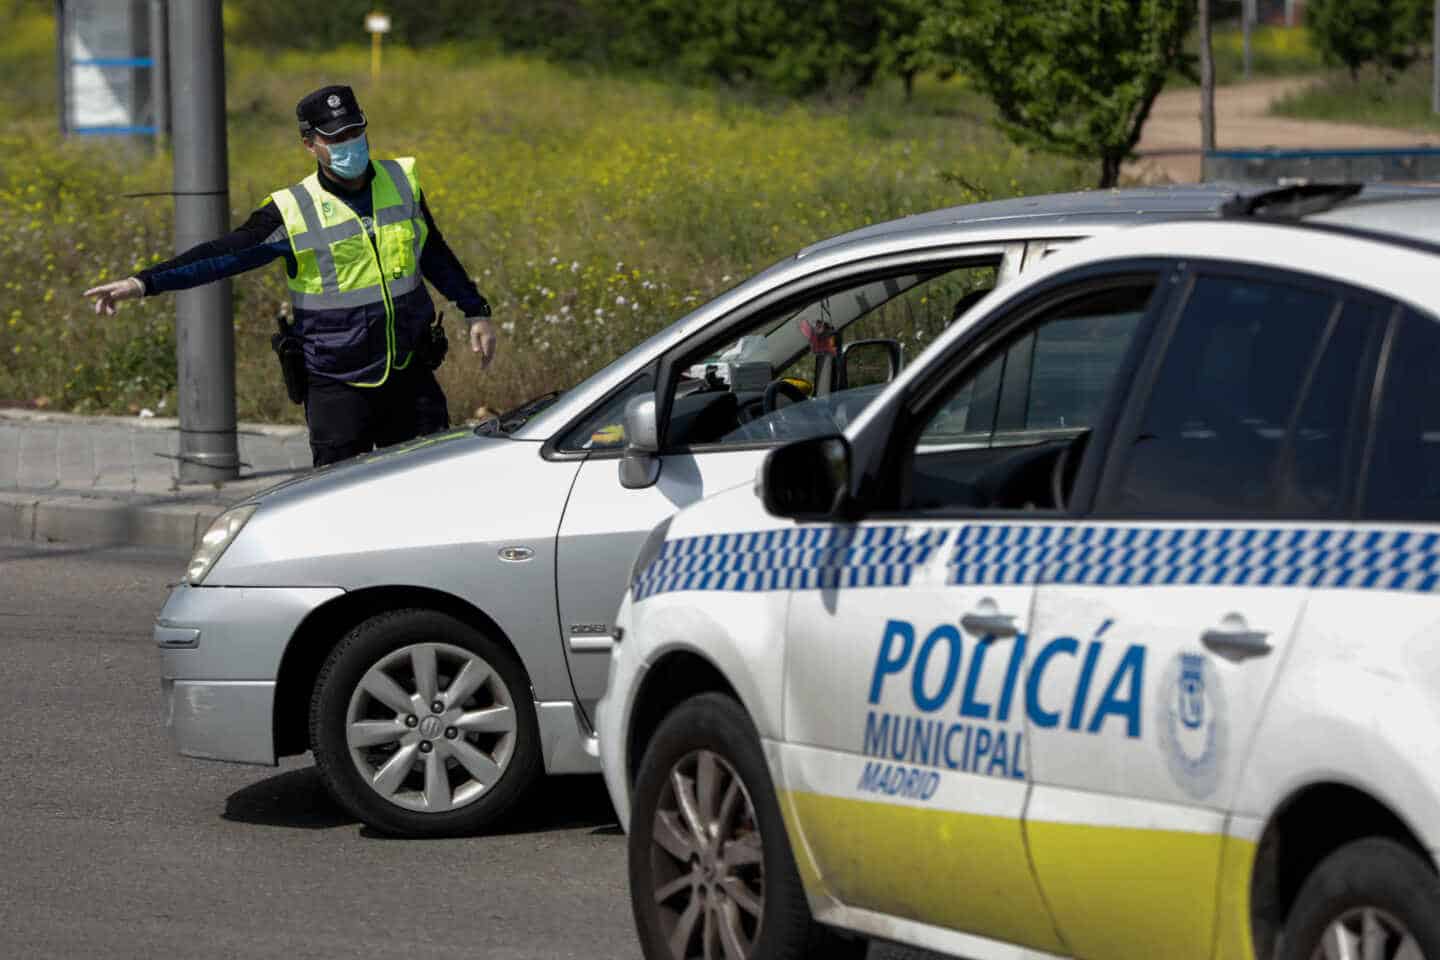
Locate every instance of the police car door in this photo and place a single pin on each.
(906, 756)
(1159, 624)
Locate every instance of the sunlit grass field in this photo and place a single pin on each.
(590, 209)
(1401, 101)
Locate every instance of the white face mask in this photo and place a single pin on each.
(348, 160)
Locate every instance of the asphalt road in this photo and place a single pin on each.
(111, 846)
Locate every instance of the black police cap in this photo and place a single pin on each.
(329, 110)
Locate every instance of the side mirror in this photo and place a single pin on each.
(806, 480)
(640, 466)
(867, 362)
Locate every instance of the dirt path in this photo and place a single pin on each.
(1242, 120)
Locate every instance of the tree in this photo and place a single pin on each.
(1075, 76)
(1386, 33)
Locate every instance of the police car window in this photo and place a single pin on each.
(1055, 377)
(999, 440)
(1218, 436)
(604, 428)
(1403, 479)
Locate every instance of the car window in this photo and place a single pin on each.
(999, 439)
(1403, 479)
(604, 428)
(781, 379)
(1252, 405)
(1054, 377)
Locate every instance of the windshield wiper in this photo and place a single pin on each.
(512, 420)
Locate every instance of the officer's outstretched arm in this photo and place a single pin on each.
(108, 295)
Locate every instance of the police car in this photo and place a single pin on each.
(1108, 630)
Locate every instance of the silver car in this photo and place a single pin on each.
(434, 621)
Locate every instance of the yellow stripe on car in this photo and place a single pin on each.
(862, 845)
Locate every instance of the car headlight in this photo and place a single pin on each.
(650, 549)
(221, 534)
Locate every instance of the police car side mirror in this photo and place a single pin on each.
(640, 466)
(806, 480)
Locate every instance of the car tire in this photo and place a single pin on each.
(1367, 894)
(742, 884)
(400, 765)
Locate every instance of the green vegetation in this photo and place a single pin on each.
(1274, 52)
(1400, 101)
(1385, 34)
(592, 209)
(1074, 76)
(790, 47)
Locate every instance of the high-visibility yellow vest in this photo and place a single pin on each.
(360, 304)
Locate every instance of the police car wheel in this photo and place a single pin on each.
(1373, 898)
(711, 872)
(423, 726)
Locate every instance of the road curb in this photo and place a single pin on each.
(104, 521)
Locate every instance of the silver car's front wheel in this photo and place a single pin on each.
(431, 727)
(421, 725)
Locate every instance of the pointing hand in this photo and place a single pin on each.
(107, 295)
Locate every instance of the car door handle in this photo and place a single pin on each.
(989, 624)
(1236, 641)
(987, 620)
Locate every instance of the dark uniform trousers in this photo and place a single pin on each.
(346, 421)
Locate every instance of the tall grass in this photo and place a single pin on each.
(1403, 101)
(591, 209)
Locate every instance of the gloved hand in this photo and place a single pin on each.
(107, 295)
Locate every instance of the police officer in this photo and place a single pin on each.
(357, 237)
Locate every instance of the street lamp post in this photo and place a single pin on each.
(378, 24)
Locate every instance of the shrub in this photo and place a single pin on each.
(1385, 33)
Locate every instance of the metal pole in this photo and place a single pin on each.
(1435, 63)
(1247, 23)
(1207, 88)
(159, 75)
(204, 332)
(62, 66)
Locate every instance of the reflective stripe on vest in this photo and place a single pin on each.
(333, 271)
(319, 240)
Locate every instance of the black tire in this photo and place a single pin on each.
(715, 725)
(385, 635)
(1375, 873)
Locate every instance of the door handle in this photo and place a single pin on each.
(1236, 641)
(987, 620)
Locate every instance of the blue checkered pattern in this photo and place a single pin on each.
(803, 558)
(811, 558)
(1139, 556)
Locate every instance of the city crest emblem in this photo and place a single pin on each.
(332, 101)
(1192, 723)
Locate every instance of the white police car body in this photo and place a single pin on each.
(1109, 630)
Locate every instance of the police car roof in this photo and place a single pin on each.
(1086, 210)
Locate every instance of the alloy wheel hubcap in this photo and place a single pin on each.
(706, 860)
(431, 727)
(1367, 933)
